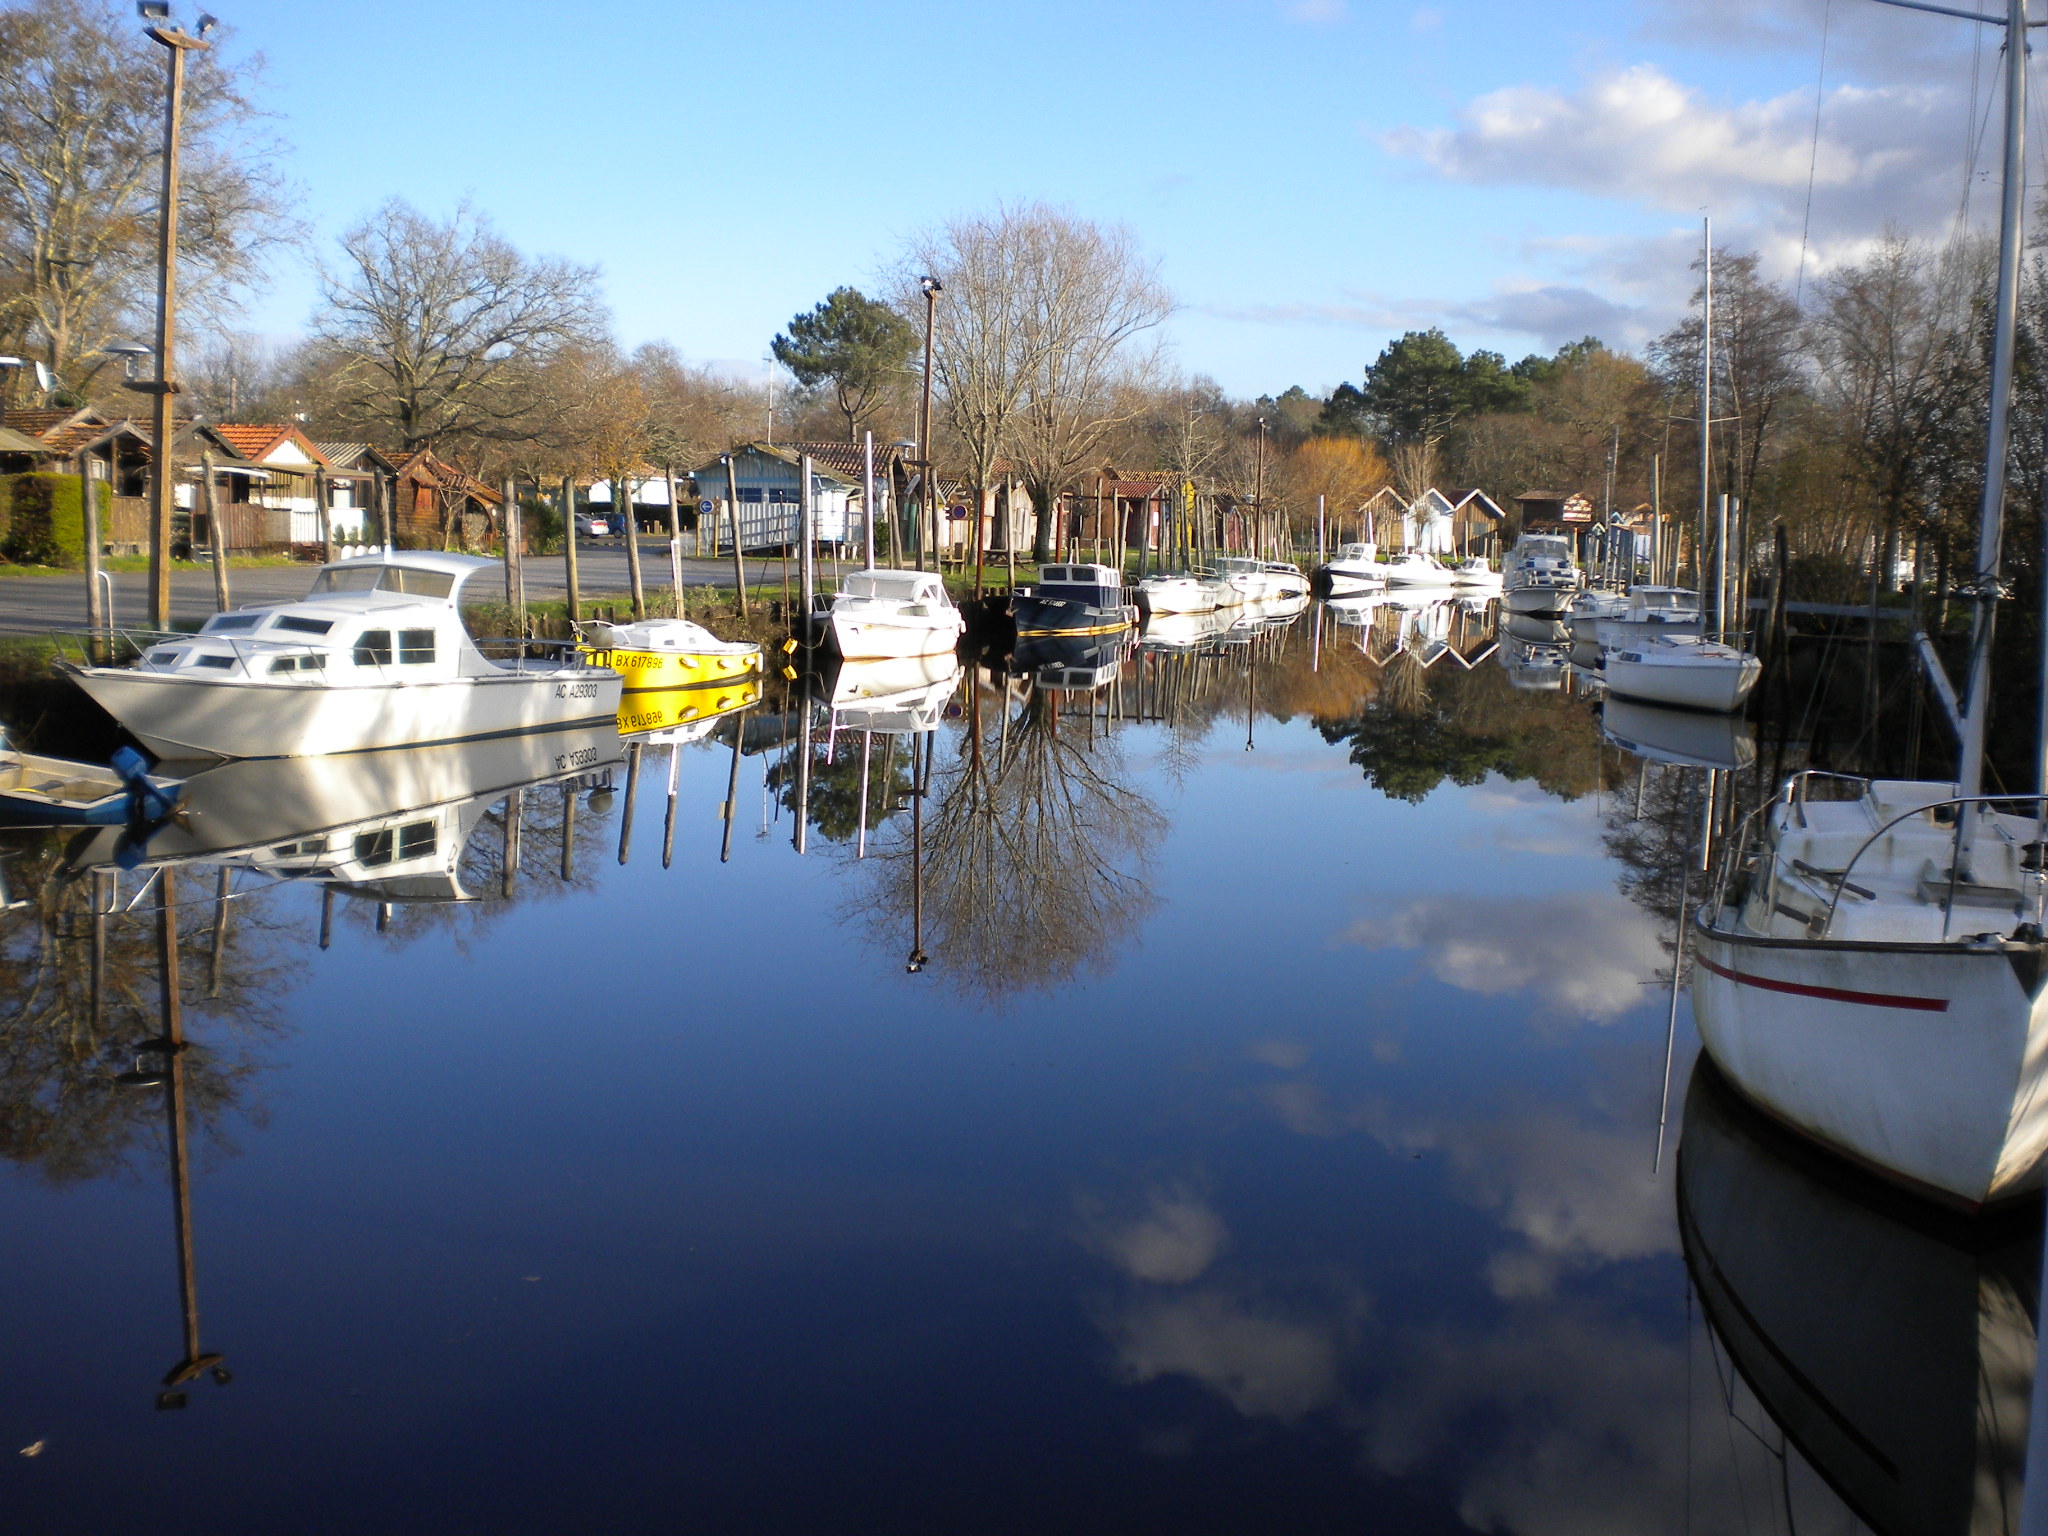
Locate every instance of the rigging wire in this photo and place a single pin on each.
(1813, 157)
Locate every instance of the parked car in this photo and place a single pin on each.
(590, 526)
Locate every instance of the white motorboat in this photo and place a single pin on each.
(1256, 581)
(1412, 568)
(882, 613)
(1354, 568)
(1682, 671)
(1179, 593)
(1474, 574)
(906, 695)
(1540, 575)
(1651, 611)
(1355, 612)
(374, 656)
(1588, 608)
(1536, 652)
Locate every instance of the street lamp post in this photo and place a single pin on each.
(176, 45)
(927, 510)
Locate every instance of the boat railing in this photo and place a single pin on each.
(1841, 882)
(1795, 792)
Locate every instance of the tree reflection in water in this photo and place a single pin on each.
(78, 991)
(1035, 846)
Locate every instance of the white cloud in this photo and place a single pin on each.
(1262, 1364)
(1172, 1241)
(1586, 955)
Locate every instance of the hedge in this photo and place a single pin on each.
(42, 521)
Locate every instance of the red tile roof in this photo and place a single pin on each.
(257, 440)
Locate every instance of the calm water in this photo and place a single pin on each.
(1270, 1141)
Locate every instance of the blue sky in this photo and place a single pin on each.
(1314, 176)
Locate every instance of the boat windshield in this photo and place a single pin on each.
(409, 579)
(904, 586)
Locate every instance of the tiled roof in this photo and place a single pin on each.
(844, 459)
(253, 440)
(448, 478)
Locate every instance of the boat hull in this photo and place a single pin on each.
(1069, 616)
(180, 716)
(1538, 599)
(647, 670)
(1921, 1062)
(1713, 686)
(884, 638)
(1192, 597)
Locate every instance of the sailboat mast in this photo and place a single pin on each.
(1706, 397)
(1991, 513)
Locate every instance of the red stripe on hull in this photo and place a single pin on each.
(1830, 994)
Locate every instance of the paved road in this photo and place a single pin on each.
(37, 603)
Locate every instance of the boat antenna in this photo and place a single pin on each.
(1984, 587)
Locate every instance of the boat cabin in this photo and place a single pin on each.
(1080, 581)
(922, 589)
(1673, 601)
(1356, 554)
(376, 620)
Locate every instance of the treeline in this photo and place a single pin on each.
(1848, 412)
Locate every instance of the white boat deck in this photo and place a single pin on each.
(1891, 855)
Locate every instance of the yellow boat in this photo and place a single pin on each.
(666, 709)
(666, 654)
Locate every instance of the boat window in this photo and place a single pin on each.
(373, 648)
(417, 840)
(415, 582)
(301, 626)
(415, 647)
(375, 848)
(313, 663)
(164, 658)
(358, 578)
(225, 622)
(224, 663)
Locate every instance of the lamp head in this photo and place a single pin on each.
(207, 22)
(931, 286)
(153, 10)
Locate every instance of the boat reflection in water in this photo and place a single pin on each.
(1536, 651)
(1079, 664)
(1685, 738)
(1893, 1343)
(903, 695)
(673, 718)
(389, 826)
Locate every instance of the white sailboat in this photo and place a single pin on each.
(375, 656)
(1682, 672)
(1870, 968)
(878, 614)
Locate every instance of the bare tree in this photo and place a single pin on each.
(1089, 294)
(81, 151)
(442, 333)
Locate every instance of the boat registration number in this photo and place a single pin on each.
(575, 690)
(582, 757)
